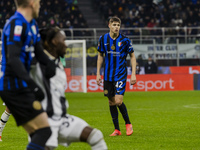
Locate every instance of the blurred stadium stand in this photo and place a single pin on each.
(62, 13)
(143, 21)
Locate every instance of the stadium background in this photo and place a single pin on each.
(166, 120)
(167, 30)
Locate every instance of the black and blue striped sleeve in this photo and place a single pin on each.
(129, 46)
(100, 45)
(16, 33)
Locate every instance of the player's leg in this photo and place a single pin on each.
(114, 115)
(119, 95)
(29, 113)
(4, 118)
(94, 137)
(109, 91)
(39, 131)
(122, 107)
(75, 129)
(124, 112)
(52, 142)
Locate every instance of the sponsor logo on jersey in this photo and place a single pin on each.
(114, 53)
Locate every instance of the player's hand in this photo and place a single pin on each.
(98, 79)
(39, 95)
(133, 79)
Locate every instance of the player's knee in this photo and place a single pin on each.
(94, 137)
(96, 140)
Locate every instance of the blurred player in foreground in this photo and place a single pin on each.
(4, 118)
(116, 47)
(65, 128)
(20, 43)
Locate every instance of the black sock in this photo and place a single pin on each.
(114, 114)
(39, 139)
(124, 113)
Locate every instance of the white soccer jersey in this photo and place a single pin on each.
(54, 103)
(57, 93)
(65, 128)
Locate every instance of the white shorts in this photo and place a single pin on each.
(65, 131)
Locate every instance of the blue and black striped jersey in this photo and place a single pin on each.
(19, 39)
(115, 51)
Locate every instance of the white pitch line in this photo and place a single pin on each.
(192, 106)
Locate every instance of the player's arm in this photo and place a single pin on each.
(14, 45)
(19, 70)
(133, 61)
(99, 64)
(133, 65)
(99, 60)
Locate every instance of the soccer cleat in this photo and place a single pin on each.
(0, 139)
(116, 133)
(129, 129)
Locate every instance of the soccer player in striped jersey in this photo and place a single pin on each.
(20, 42)
(65, 128)
(115, 46)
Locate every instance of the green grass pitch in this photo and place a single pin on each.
(161, 121)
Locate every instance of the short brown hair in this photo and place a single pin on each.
(114, 19)
(22, 3)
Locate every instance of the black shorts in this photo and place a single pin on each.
(114, 88)
(22, 105)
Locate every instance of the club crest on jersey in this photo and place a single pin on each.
(105, 91)
(37, 105)
(113, 47)
(119, 44)
(18, 30)
(33, 29)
